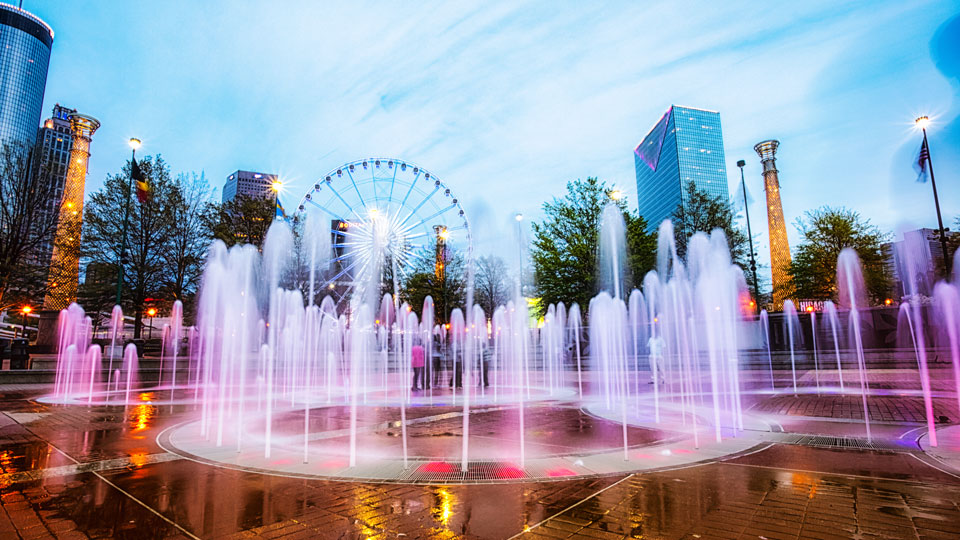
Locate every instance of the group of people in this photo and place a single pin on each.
(422, 380)
(426, 376)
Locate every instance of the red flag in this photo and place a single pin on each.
(143, 188)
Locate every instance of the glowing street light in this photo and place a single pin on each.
(24, 311)
(922, 122)
(151, 313)
(616, 194)
(445, 234)
(134, 143)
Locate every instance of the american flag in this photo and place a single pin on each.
(922, 160)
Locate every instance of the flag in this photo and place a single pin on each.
(923, 158)
(143, 188)
(281, 213)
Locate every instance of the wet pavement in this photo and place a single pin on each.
(98, 472)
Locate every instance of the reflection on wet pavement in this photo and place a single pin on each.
(112, 480)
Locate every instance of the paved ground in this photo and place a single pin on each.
(97, 472)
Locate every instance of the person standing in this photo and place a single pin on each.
(417, 362)
(655, 345)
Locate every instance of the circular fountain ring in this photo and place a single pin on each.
(438, 459)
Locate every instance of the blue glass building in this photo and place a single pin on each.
(685, 145)
(25, 42)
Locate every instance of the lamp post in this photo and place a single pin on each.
(151, 313)
(753, 260)
(519, 218)
(922, 123)
(24, 311)
(134, 144)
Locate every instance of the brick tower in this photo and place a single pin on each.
(65, 262)
(779, 248)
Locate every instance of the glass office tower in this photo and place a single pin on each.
(25, 42)
(685, 145)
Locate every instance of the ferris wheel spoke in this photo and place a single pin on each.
(428, 218)
(423, 202)
(325, 209)
(345, 203)
(355, 188)
(393, 182)
(410, 189)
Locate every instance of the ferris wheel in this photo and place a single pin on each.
(384, 202)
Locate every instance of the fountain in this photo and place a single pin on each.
(297, 380)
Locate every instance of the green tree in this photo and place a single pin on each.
(148, 233)
(448, 294)
(565, 244)
(29, 206)
(825, 232)
(702, 212)
(243, 220)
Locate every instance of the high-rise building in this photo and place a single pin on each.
(779, 247)
(249, 184)
(25, 43)
(55, 140)
(685, 146)
(64, 273)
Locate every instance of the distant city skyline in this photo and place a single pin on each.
(520, 99)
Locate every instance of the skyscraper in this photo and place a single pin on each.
(55, 140)
(249, 184)
(25, 42)
(685, 145)
(779, 247)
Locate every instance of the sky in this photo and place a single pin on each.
(508, 101)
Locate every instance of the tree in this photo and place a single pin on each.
(29, 206)
(565, 244)
(825, 233)
(188, 238)
(242, 220)
(701, 212)
(148, 233)
(491, 286)
(422, 281)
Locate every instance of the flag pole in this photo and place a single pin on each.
(134, 143)
(936, 202)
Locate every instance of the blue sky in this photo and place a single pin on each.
(508, 101)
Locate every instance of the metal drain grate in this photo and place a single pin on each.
(857, 443)
(445, 471)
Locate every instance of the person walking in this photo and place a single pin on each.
(417, 362)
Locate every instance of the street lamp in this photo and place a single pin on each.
(746, 210)
(151, 313)
(519, 218)
(24, 311)
(616, 194)
(922, 122)
(134, 145)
